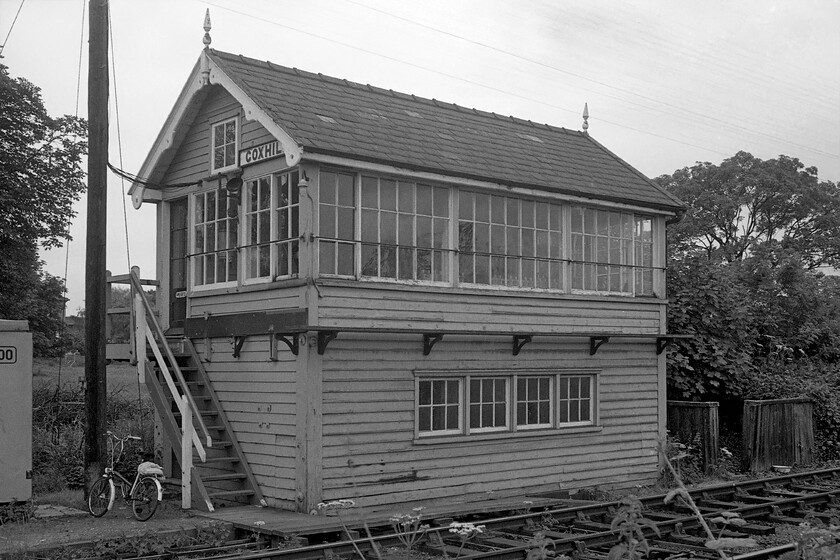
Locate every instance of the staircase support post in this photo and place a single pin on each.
(186, 453)
(139, 330)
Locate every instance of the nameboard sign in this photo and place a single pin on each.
(260, 153)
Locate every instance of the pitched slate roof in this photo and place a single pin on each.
(336, 117)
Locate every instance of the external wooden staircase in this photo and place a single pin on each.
(224, 477)
(178, 384)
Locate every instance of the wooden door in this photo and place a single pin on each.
(178, 236)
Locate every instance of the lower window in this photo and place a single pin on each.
(481, 402)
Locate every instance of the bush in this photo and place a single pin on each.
(58, 435)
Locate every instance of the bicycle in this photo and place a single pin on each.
(144, 493)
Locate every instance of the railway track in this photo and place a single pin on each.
(588, 531)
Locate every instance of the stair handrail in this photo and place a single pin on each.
(158, 332)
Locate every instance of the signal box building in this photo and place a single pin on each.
(398, 299)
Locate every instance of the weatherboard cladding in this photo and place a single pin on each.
(336, 117)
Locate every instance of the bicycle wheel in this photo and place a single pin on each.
(144, 502)
(100, 497)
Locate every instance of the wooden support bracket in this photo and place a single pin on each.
(238, 341)
(324, 338)
(595, 342)
(290, 340)
(662, 343)
(429, 340)
(520, 340)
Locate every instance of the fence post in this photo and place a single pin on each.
(186, 453)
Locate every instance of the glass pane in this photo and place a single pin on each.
(370, 260)
(482, 207)
(424, 264)
(520, 413)
(327, 221)
(424, 200)
(346, 223)
(406, 197)
(345, 259)
(424, 231)
(406, 229)
(452, 417)
(441, 202)
(346, 189)
(497, 214)
(388, 228)
(406, 263)
(544, 413)
(498, 271)
(512, 212)
(388, 261)
(438, 418)
(482, 269)
(465, 209)
(388, 194)
(441, 239)
(475, 416)
(542, 215)
(370, 225)
(424, 419)
(327, 188)
(370, 192)
(452, 391)
(425, 392)
(500, 417)
(584, 411)
(326, 261)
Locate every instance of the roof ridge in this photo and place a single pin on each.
(383, 91)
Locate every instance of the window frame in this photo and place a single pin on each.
(273, 210)
(235, 163)
(559, 258)
(512, 428)
(192, 255)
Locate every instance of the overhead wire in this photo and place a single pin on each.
(14, 21)
(692, 113)
(461, 78)
(68, 239)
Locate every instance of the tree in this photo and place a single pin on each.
(746, 202)
(41, 177)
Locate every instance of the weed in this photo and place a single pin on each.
(819, 541)
(631, 523)
(465, 532)
(715, 543)
(408, 527)
(541, 547)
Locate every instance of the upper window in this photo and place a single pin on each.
(271, 215)
(503, 402)
(385, 228)
(404, 230)
(215, 233)
(337, 219)
(607, 247)
(506, 241)
(223, 150)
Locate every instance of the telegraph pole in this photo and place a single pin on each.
(95, 395)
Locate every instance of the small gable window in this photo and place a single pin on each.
(224, 145)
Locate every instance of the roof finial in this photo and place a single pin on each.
(207, 39)
(585, 118)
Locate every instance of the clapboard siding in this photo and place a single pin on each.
(191, 161)
(259, 400)
(369, 450)
(232, 300)
(382, 305)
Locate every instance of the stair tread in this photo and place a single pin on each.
(220, 477)
(221, 493)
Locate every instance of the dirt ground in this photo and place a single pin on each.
(77, 527)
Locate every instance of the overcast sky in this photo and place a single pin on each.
(668, 83)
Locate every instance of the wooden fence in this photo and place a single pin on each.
(778, 432)
(687, 419)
